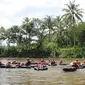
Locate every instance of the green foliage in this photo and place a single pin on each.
(52, 47)
(55, 36)
(2, 33)
(8, 51)
(76, 52)
(1, 51)
(81, 34)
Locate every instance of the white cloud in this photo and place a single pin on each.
(11, 11)
(14, 6)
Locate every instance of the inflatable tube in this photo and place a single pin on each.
(24, 67)
(44, 68)
(15, 66)
(32, 66)
(2, 66)
(14, 62)
(83, 65)
(10, 67)
(34, 63)
(69, 69)
(63, 64)
(52, 64)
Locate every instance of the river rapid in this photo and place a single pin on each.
(52, 76)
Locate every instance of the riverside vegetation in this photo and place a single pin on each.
(52, 36)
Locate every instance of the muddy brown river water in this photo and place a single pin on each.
(53, 76)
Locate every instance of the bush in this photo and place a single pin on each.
(76, 52)
(52, 48)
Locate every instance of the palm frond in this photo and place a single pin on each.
(78, 17)
(69, 6)
(66, 10)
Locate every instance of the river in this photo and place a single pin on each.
(52, 76)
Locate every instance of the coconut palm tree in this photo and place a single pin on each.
(58, 29)
(49, 25)
(27, 27)
(73, 13)
(2, 34)
(40, 33)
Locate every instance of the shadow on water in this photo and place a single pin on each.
(53, 76)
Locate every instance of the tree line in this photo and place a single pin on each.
(48, 37)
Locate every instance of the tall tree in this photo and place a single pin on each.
(73, 13)
(81, 34)
(59, 29)
(15, 34)
(2, 34)
(39, 32)
(27, 27)
(49, 25)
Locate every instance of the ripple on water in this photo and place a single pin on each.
(53, 76)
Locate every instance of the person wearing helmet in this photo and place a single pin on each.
(84, 62)
(18, 64)
(22, 64)
(28, 62)
(1, 63)
(43, 61)
(14, 62)
(76, 64)
(49, 62)
(40, 65)
(8, 64)
(53, 63)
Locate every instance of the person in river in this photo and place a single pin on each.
(32, 61)
(60, 62)
(49, 62)
(40, 65)
(18, 64)
(83, 63)
(28, 62)
(1, 63)
(43, 61)
(14, 62)
(76, 64)
(8, 64)
(22, 64)
(53, 63)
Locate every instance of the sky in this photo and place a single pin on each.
(12, 12)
